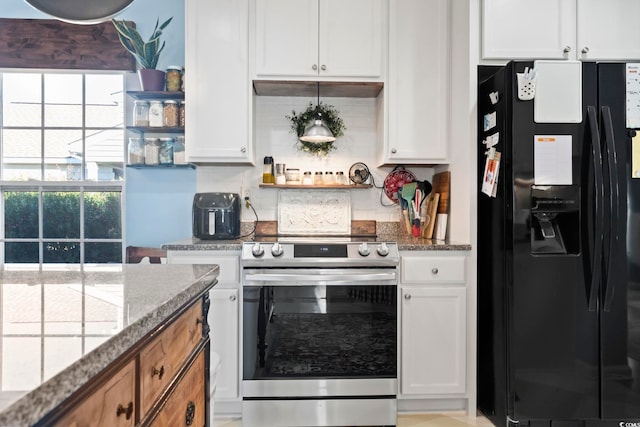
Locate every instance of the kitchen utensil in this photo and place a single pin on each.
(396, 179)
(408, 191)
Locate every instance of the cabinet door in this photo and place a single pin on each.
(186, 405)
(224, 318)
(522, 29)
(433, 340)
(351, 38)
(217, 84)
(286, 38)
(608, 30)
(418, 88)
(111, 405)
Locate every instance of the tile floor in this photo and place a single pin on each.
(453, 419)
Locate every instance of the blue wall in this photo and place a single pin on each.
(158, 202)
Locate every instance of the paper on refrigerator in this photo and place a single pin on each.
(552, 161)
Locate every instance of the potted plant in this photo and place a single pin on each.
(145, 53)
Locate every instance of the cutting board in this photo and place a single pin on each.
(441, 184)
(431, 210)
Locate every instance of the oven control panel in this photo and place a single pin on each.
(293, 253)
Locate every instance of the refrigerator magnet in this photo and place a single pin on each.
(489, 121)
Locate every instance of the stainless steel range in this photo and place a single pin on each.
(319, 333)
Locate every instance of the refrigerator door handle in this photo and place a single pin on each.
(614, 191)
(596, 157)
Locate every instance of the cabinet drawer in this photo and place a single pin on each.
(111, 405)
(425, 269)
(186, 406)
(163, 357)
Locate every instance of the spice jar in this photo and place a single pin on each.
(140, 113)
(340, 178)
(135, 151)
(165, 151)
(267, 171)
(156, 114)
(151, 151)
(178, 151)
(182, 114)
(173, 78)
(328, 179)
(171, 113)
(307, 179)
(318, 180)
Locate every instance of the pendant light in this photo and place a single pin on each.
(318, 132)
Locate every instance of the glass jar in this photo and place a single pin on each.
(317, 179)
(328, 179)
(178, 151)
(171, 113)
(267, 171)
(182, 113)
(156, 114)
(293, 175)
(165, 151)
(307, 179)
(135, 151)
(151, 151)
(173, 78)
(140, 113)
(340, 178)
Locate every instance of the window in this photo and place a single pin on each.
(62, 167)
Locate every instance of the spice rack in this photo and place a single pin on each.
(169, 130)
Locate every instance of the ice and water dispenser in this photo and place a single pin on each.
(555, 219)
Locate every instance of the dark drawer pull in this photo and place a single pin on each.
(128, 411)
(191, 413)
(160, 372)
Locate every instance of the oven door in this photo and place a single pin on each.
(319, 324)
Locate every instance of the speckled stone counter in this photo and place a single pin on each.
(386, 232)
(63, 325)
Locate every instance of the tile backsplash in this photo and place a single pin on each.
(273, 138)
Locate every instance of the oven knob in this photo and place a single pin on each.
(276, 249)
(383, 249)
(257, 250)
(363, 249)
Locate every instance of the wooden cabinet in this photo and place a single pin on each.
(224, 318)
(418, 83)
(434, 325)
(560, 29)
(112, 404)
(319, 38)
(160, 381)
(218, 89)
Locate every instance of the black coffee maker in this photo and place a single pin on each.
(216, 216)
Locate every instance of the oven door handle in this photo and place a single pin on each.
(372, 278)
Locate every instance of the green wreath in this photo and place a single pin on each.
(300, 121)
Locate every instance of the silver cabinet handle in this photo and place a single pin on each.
(243, 150)
(232, 298)
(314, 67)
(407, 296)
(567, 49)
(434, 271)
(585, 49)
(394, 151)
(323, 67)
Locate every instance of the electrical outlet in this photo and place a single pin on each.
(246, 193)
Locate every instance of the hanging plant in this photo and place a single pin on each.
(300, 121)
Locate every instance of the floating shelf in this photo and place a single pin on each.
(187, 166)
(159, 95)
(320, 187)
(146, 129)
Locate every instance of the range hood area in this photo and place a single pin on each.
(328, 89)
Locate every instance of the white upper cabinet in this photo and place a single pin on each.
(560, 29)
(217, 86)
(417, 89)
(319, 38)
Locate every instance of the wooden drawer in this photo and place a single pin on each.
(111, 405)
(432, 269)
(161, 359)
(186, 406)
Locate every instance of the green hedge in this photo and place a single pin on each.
(61, 220)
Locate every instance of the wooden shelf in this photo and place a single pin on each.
(159, 95)
(145, 129)
(318, 187)
(310, 88)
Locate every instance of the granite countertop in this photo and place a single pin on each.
(385, 232)
(62, 325)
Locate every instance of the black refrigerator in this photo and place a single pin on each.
(559, 265)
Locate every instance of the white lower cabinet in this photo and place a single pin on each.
(224, 319)
(433, 325)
